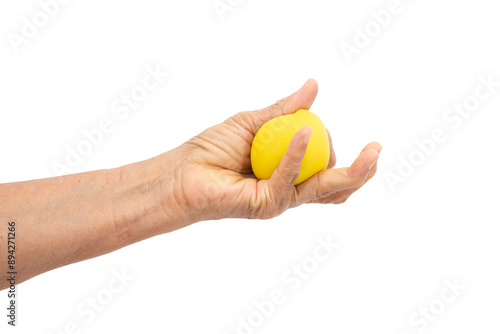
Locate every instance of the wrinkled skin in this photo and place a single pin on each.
(217, 179)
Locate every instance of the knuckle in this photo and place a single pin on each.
(239, 117)
(279, 104)
(355, 181)
(292, 161)
(287, 172)
(273, 108)
(359, 182)
(318, 189)
(242, 118)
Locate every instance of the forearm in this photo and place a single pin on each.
(76, 217)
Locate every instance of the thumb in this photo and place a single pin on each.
(284, 177)
(301, 99)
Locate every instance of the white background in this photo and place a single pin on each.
(397, 247)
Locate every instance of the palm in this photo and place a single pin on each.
(223, 158)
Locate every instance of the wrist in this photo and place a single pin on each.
(146, 199)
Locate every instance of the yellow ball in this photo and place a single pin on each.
(272, 140)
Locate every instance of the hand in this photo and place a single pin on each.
(75, 217)
(215, 176)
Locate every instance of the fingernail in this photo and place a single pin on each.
(373, 164)
(307, 135)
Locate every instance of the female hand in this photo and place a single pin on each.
(214, 176)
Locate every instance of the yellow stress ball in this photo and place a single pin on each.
(272, 140)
